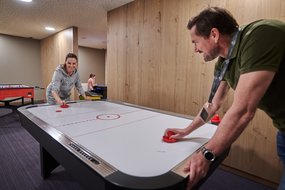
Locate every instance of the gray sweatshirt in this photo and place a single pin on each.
(62, 83)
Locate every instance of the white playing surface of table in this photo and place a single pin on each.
(128, 138)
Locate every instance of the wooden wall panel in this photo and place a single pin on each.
(149, 54)
(134, 18)
(54, 50)
(117, 33)
(151, 62)
(169, 25)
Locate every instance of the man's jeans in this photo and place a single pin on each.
(281, 153)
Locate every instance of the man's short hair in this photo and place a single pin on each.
(213, 17)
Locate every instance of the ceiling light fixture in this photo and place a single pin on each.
(49, 28)
(27, 1)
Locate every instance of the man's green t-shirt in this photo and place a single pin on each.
(261, 46)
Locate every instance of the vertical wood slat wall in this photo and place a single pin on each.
(54, 50)
(151, 62)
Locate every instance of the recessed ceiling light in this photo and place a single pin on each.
(27, 1)
(49, 28)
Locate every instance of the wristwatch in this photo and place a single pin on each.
(208, 154)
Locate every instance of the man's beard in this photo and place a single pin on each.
(213, 54)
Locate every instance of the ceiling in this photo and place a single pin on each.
(29, 20)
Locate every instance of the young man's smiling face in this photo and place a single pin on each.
(208, 46)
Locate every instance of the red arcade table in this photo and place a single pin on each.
(12, 92)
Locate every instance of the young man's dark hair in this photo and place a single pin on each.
(213, 17)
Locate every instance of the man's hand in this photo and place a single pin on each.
(178, 133)
(197, 168)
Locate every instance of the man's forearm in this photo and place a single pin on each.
(199, 121)
(229, 130)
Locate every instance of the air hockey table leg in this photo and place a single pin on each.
(48, 163)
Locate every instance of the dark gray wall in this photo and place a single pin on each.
(91, 61)
(20, 62)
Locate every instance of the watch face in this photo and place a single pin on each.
(209, 156)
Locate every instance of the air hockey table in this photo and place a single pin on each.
(114, 145)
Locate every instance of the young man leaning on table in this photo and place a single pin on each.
(252, 62)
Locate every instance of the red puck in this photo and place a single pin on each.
(64, 106)
(168, 140)
(167, 137)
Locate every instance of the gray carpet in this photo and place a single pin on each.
(5, 112)
(20, 164)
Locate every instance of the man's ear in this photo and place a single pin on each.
(215, 34)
